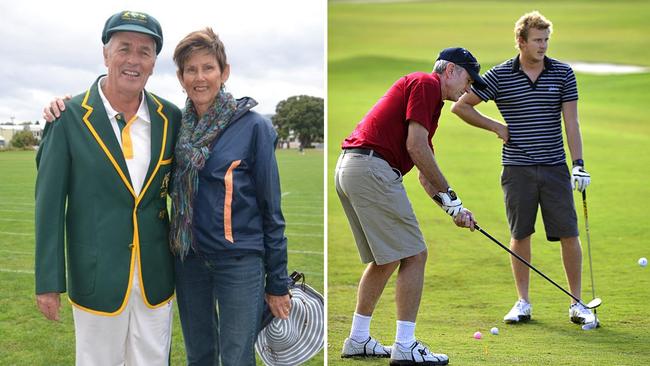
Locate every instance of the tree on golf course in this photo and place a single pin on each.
(302, 114)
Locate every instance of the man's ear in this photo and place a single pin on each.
(450, 69)
(154, 65)
(105, 53)
(520, 42)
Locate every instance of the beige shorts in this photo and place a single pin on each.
(379, 212)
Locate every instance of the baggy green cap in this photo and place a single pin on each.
(133, 21)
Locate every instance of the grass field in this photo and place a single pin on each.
(28, 339)
(468, 284)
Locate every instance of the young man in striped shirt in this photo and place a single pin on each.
(533, 93)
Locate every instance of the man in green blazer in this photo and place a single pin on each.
(103, 174)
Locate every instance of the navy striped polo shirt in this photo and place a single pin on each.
(532, 111)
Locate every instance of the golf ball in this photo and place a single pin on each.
(643, 261)
(494, 331)
(478, 335)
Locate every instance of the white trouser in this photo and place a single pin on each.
(137, 336)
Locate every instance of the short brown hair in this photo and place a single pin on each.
(534, 19)
(201, 40)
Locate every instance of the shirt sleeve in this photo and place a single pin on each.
(492, 89)
(267, 185)
(420, 105)
(53, 164)
(570, 88)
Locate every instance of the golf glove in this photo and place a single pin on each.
(580, 179)
(449, 202)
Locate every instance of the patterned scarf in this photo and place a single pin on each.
(191, 152)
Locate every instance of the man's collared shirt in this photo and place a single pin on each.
(139, 131)
(415, 97)
(532, 110)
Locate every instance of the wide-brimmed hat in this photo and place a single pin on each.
(297, 339)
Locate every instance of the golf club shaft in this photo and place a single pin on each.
(526, 263)
(591, 272)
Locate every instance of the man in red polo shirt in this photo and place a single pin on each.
(393, 137)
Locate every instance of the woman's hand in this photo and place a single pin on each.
(56, 107)
(280, 305)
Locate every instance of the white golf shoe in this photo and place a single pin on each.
(368, 348)
(580, 314)
(520, 312)
(417, 354)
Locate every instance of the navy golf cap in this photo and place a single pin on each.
(133, 21)
(464, 59)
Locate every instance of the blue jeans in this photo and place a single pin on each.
(220, 302)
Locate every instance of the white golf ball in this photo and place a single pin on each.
(494, 330)
(643, 261)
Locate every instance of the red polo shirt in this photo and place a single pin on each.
(384, 129)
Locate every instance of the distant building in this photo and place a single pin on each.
(7, 132)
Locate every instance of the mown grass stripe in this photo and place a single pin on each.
(314, 235)
(21, 271)
(15, 233)
(305, 252)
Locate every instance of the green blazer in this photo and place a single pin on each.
(84, 198)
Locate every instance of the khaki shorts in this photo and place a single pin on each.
(379, 212)
(549, 187)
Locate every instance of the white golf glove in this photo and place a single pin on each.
(449, 202)
(580, 179)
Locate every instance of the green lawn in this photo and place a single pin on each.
(28, 339)
(468, 284)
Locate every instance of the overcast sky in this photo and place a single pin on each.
(51, 48)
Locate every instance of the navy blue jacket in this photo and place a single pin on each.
(237, 207)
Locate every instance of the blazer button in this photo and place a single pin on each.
(131, 245)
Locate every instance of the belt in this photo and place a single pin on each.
(362, 151)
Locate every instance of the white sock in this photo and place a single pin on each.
(360, 327)
(405, 334)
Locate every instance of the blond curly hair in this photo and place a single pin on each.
(534, 19)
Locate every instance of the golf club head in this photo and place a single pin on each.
(594, 303)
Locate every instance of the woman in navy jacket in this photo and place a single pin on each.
(227, 226)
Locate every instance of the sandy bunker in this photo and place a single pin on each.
(606, 69)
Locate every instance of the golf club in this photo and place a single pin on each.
(591, 272)
(591, 305)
